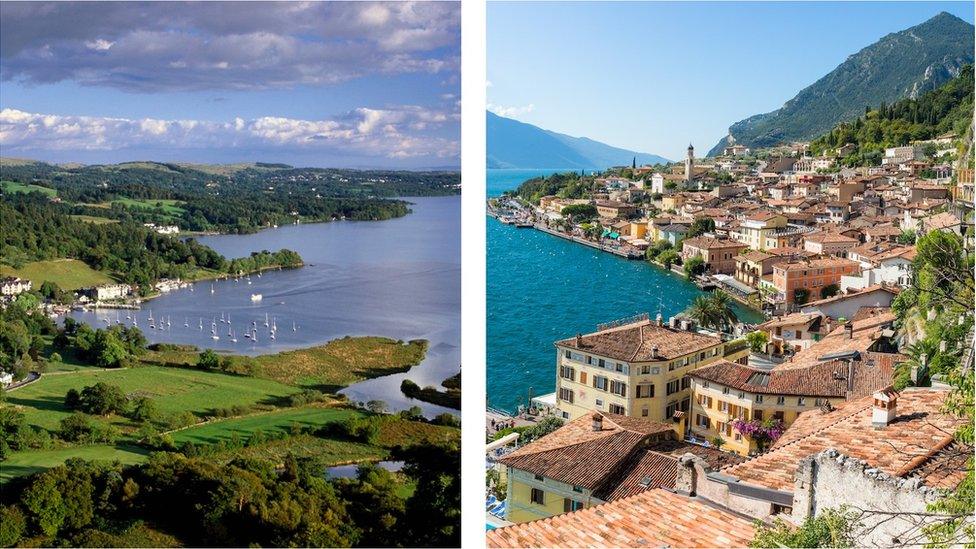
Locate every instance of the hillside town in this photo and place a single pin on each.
(831, 409)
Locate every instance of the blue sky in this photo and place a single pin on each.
(313, 84)
(655, 76)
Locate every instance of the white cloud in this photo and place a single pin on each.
(99, 45)
(395, 132)
(510, 112)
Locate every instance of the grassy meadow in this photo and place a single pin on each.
(69, 274)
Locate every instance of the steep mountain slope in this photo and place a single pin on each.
(899, 65)
(514, 144)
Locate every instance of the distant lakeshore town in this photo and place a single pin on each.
(862, 270)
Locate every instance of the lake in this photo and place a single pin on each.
(399, 278)
(542, 288)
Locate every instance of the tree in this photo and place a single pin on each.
(209, 360)
(13, 525)
(668, 258)
(717, 442)
(694, 266)
(579, 212)
(801, 295)
(144, 410)
(376, 406)
(43, 503)
(829, 528)
(102, 399)
(757, 341)
(701, 226)
(830, 290)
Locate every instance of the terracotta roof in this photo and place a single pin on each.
(636, 342)
(919, 432)
(711, 243)
(866, 332)
(825, 379)
(653, 518)
(829, 238)
(817, 263)
(578, 455)
(943, 220)
(641, 471)
(793, 319)
(841, 297)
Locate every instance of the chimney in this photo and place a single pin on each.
(885, 408)
(654, 352)
(597, 421)
(579, 341)
(849, 328)
(660, 319)
(686, 479)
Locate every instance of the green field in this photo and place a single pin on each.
(13, 187)
(173, 389)
(171, 207)
(93, 219)
(69, 274)
(31, 461)
(280, 420)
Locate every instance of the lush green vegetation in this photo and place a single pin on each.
(243, 501)
(948, 109)
(241, 198)
(830, 528)
(68, 274)
(9, 187)
(38, 230)
(563, 185)
(917, 59)
(713, 311)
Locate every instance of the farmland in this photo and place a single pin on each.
(69, 274)
(14, 187)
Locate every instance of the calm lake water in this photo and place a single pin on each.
(399, 278)
(543, 288)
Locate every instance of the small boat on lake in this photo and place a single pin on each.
(256, 297)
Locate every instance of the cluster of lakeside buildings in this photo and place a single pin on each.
(788, 230)
(677, 436)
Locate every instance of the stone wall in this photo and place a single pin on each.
(830, 480)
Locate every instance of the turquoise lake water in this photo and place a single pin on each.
(543, 288)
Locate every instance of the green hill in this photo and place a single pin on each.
(948, 109)
(900, 65)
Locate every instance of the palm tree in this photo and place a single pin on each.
(721, 305)
(701, 311)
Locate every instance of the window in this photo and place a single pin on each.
(566, 395)
(539, 477)
(646, 369)
(645, 390)
(566, 372)
(583, 378)
(601, 363)
(570, 505)
(757, 415)
(801, 401)
(644, 411)
(589, 359)
(725, 390)
(617, 409)
(600, 382)
(674, 386)
(702, 421)
(819, 402)
(742, 395)
(567, 354)
(705, 401)
(723, 406)
(538, 496)
(759, 399)
(619, 367)
(781, 400)
(565, 415)
(685, 382)
(578, 489)
(780, 415)
(599, 403)
(670, 409)
(618, 388)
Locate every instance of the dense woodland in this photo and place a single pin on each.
(233, 199)
(36, 229)
(948, 109)
(563, 185)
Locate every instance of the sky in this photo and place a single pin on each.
(326, 84)
(654, 77)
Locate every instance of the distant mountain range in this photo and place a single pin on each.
(899, 65)
(514, 144)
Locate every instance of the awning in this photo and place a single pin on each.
(735, 284)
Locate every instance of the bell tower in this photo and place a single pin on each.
(690, 164)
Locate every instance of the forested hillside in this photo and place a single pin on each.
(948, 109)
